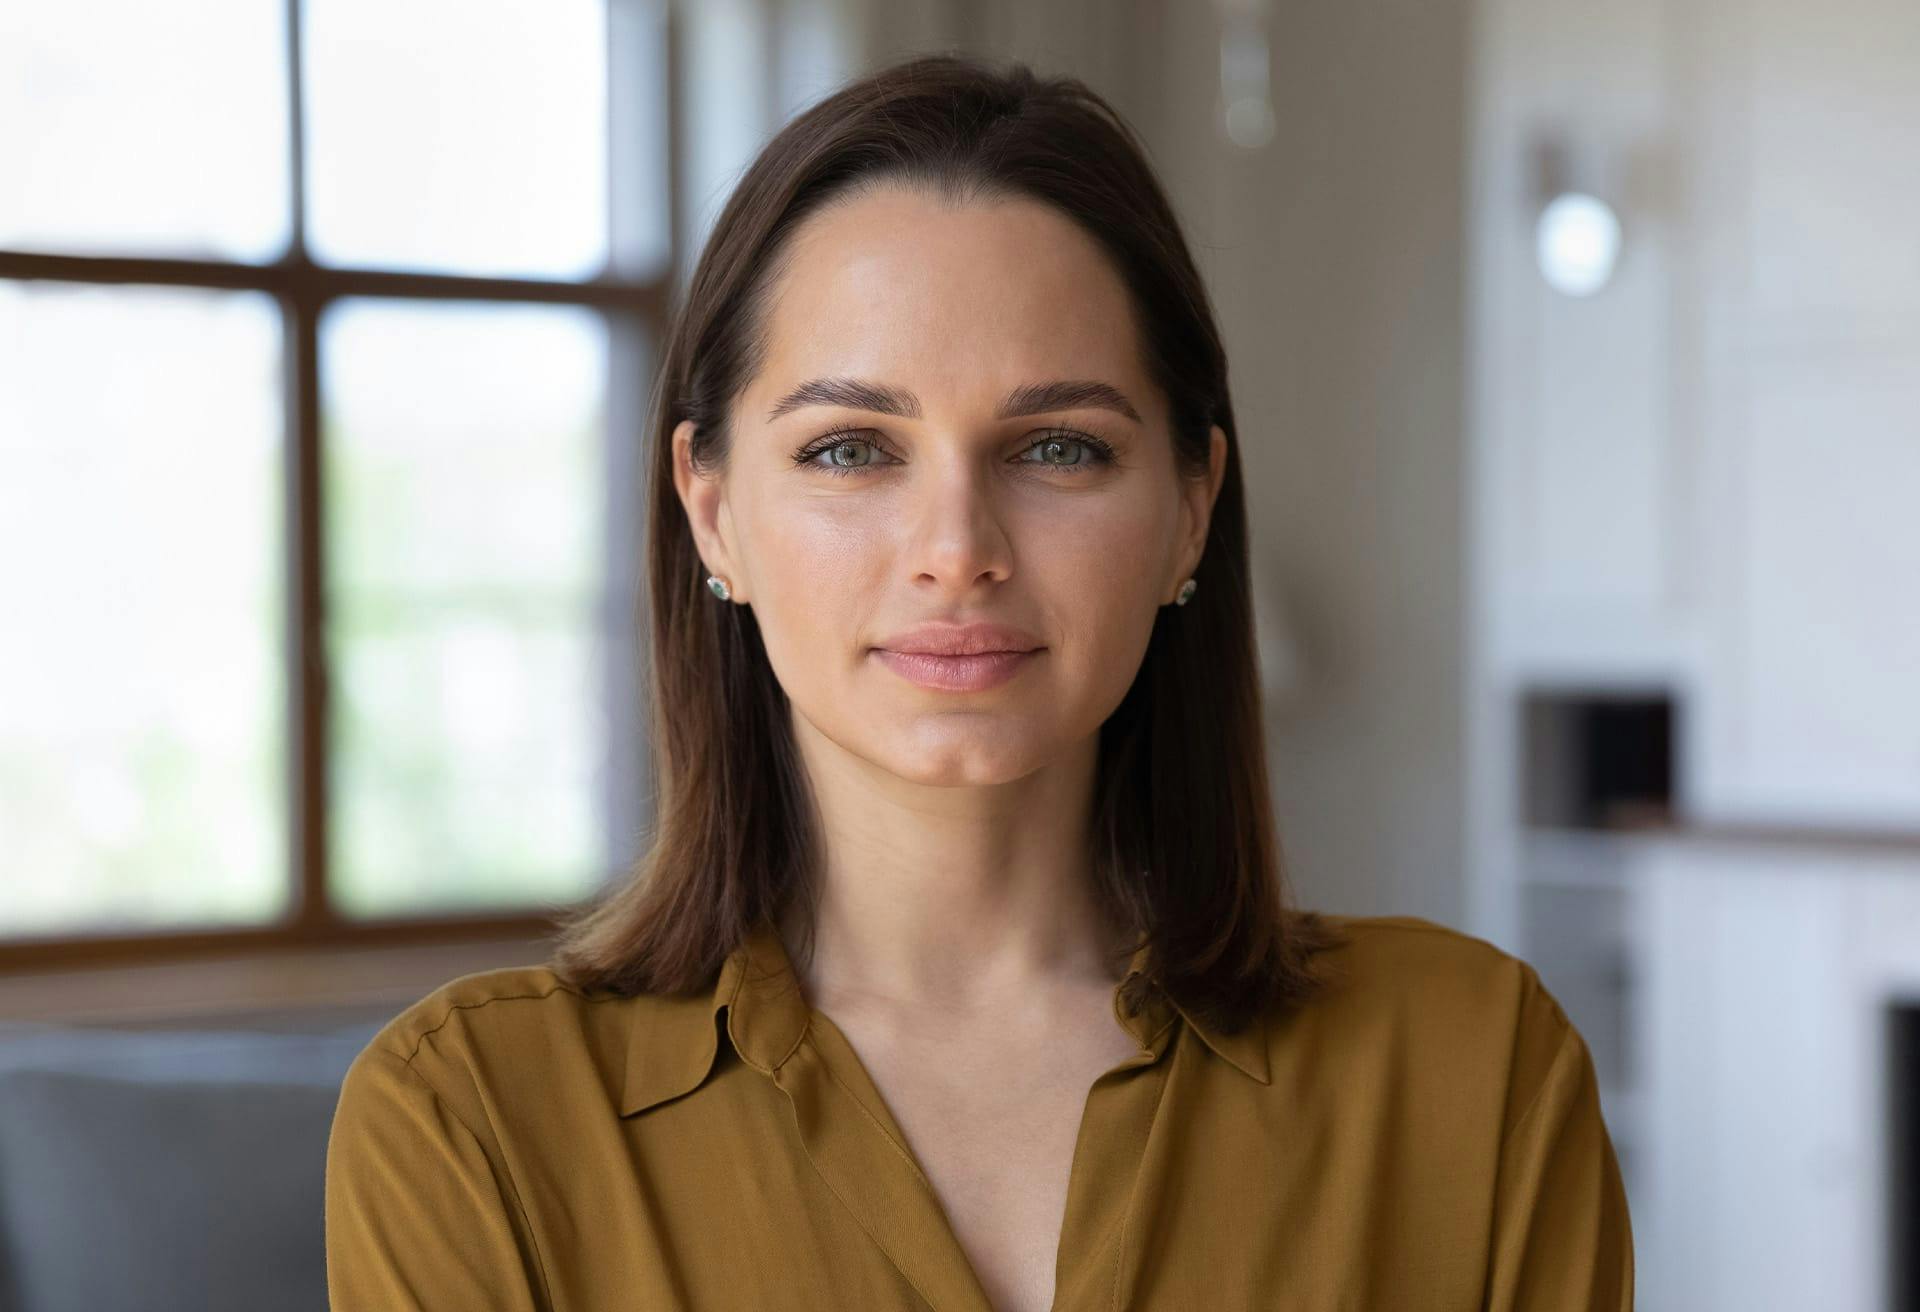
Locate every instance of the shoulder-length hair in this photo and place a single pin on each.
(1183, 843)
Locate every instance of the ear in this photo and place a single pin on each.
(1197, 496)
(708, 514)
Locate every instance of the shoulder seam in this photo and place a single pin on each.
(1532, 984)
(445, 1020)
(1568, 1036)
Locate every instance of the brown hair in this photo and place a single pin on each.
(1183, 841)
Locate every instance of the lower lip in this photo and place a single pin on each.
(957, 673)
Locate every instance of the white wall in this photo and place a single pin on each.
(1335, 254)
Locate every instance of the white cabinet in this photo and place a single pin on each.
(1768, 978)
(1805, 233)
(1812, 690)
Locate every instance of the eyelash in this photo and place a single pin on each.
(1103, 453)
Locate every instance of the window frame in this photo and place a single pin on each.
(636, 311)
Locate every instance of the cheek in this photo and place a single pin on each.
(1097, 575)
(1101, 561)
(813, 572)
(822, 541)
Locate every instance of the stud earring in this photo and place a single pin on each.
(1186, 592)
(718, 586)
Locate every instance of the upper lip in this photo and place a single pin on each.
(947, 639)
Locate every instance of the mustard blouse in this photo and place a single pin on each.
(1426, 1134)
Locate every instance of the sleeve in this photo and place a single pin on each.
(1562, 1238)
(419, 1217)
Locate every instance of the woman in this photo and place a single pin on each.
(961, 971)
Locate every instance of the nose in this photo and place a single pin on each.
(955, 534)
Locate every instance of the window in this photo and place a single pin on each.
(326, 338)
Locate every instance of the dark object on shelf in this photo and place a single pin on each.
(1903, 1172)
(1598, 760)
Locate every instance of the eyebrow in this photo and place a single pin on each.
(1031, 399)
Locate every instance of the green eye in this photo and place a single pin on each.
(1059, 443)
(839, 453)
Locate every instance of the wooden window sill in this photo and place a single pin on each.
(282, 982)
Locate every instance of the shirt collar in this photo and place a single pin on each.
(674, 1038)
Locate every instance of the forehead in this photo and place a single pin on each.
(958, 303)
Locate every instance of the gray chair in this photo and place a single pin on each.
(161, 1170)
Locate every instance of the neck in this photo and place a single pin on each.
(958, 899)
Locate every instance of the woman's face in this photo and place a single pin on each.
(969, 485)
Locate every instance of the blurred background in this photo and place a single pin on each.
(1576, 357)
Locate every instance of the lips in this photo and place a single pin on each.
(972, 673)
(946, 638)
